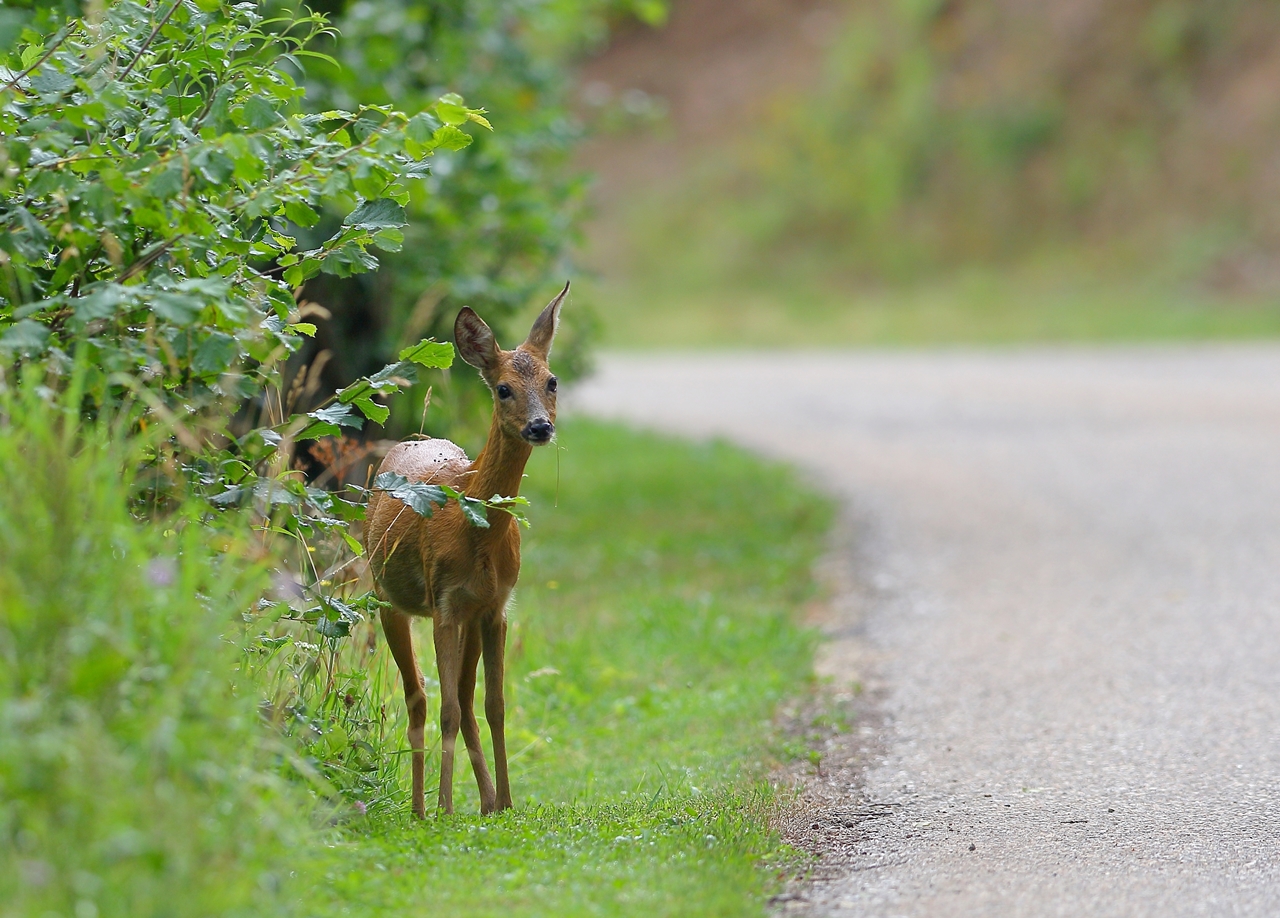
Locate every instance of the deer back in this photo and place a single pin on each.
(400, 544)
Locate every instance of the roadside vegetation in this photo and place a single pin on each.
(199, 202)
(1056, 296)
(653, 635)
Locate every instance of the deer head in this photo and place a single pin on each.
(523, 386)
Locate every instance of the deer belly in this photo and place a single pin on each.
(400, 579)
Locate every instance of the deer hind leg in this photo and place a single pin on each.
(494, 635)
(396, 627)
(447, 634)
(470, 729)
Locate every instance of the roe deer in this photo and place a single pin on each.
(459, 574)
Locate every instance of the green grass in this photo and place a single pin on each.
(1059, 297)
(133, 782)
(653, 635)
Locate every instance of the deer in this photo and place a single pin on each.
(459, 575)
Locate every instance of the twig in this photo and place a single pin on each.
(13, 84)
(147, 257)
(150, 38)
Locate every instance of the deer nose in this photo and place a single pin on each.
(539, 431)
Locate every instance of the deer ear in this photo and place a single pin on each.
(544, 327)
(476, 344)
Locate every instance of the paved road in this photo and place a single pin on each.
(1073, 564)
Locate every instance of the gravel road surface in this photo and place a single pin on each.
(1067, 569)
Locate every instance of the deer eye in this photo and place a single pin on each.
(504, 391)
(552, 383)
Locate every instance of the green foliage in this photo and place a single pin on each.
(647, 652)
(150, 273)
(155, 161)
(424, 498)
(493, 225)
(153, 165)
(133, 781)
(1057, 295)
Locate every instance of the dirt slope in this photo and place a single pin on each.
(715, 66)
(1098, 117)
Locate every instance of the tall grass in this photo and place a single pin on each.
(133, 781)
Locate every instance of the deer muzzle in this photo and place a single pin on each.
(539, 432)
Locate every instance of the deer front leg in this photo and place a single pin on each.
(396, 627)
(494, 633)
(470, 729)
(448, 659)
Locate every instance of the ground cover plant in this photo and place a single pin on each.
(1062, 296)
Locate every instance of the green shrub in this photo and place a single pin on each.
(155, 173)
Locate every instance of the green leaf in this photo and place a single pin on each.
(421, 498)
(333, 628)
(352, 543)
(338, 414)
(451, 138)
(214, 355)
(182, 106)
(167, 183)
(376, 215)
(227, 498)
(319, 429)
(215, 166)
(176, 308)
(100, 303)
(451, 109)
(27, 338)
(390, 239)
(306, 269)
(301, 213)
(51, 82)
(372, 410)
(31, 54)
(435, 355)
(259, 113)
(473, 510)
(420, 127)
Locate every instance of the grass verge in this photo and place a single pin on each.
(652, 638)
(653, 635)
(1062, 298)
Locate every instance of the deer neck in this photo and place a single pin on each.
(499, 467)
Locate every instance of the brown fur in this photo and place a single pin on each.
(459, 575)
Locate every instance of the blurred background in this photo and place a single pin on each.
(796, 172)
(810, 172)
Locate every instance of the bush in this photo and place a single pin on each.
(155, 171)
